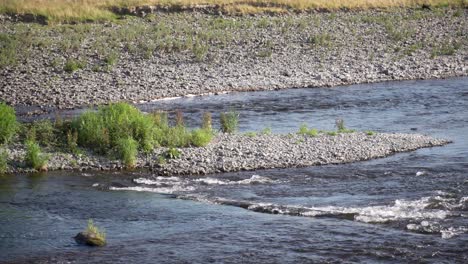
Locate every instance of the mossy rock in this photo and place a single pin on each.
(90, 239)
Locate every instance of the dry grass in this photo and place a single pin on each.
(83, 10)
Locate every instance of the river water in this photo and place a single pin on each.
(410, 207)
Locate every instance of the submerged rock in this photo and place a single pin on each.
(90, 239)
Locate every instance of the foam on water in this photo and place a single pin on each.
(255, 179)
(162, 190)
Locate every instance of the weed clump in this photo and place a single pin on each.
(229, 122)
(8, 123)
(92, 236)
(304, 130)
(172, 153)
(341, 127)
(127, 150)
(34, 158)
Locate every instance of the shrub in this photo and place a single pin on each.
(127, 150)
(102, 130)
(3, 161)
(177, 136)
(34, 158)
(73, 65)
(8, 123)
(160, 119)
(201, 137)
(229, 122)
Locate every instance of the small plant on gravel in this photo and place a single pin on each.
(229, 122)
(127, 150)
(445, 49)
(172, 153)
(160, 119)
(324, 40)
(266, 131)
(304, 130)
(8, 123)
(34, 158)
(201, 137)
(3, 160)
(73, 65)
(341, 127)
(111, 59)
(369, 132)
(250, 134)
(332, 133)
(177, 136)
(207, 123)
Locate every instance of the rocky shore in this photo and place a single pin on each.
(229, 153)
(177, 54)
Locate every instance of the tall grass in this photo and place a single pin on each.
(229, 122)
(84, 10)
(34, 158)
(8, 123)
(127, 149)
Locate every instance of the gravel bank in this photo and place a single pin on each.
(168, 55)
(229, 153)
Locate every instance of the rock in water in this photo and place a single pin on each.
(90, 239)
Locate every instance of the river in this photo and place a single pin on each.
(410, 207)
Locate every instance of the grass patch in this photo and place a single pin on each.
(127, 150)
(304, 130)
(172, 153)
(8, 123)
(369, 132)
(229, 122)
(97, 236)
(250, 134)
(323, 40)
(445, 49)
(73, 65)
(34, 158)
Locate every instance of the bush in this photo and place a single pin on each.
(127, 150)
(34, 158)
(201, 137)
(177, 136)
(3, 161)
(229, 122)
(72, 141)
(8, 124)
(102, 130)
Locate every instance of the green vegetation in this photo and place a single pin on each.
(127, 150)
(207, 122)
(93, 233)
(324, 40)
(341, 127)
(34, 158)
(369, 132)
(445, 49)
(3, 160)
(101, 130)
(72, 142)
(172, 153)
(42, 132)
(250, 134)
(201, 137)
(266, 131)
(8, 123)
(229, 122)
(73, 65)
(304, 130)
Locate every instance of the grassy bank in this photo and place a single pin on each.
(86, 10)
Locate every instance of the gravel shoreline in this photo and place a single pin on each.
(230, 153)
(250, 53)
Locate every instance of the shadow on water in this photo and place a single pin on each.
(411, 207)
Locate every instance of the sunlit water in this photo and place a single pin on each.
(405, 208)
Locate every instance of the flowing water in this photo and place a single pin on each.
(410, 207)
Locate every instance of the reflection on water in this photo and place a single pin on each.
(411, 207)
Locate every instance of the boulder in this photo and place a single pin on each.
(90, 239)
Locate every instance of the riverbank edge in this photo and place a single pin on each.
(232, 153)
